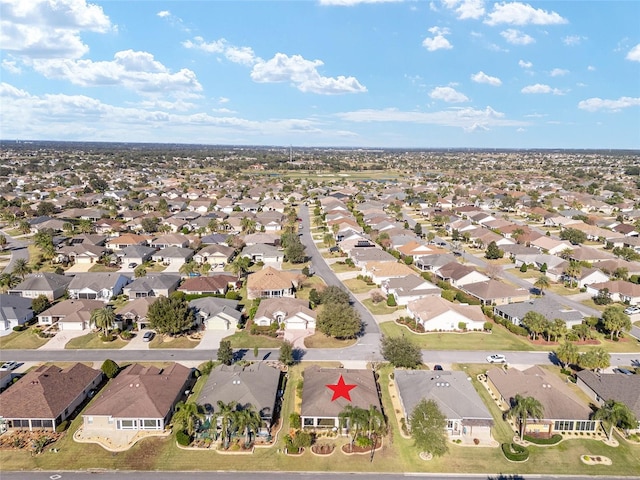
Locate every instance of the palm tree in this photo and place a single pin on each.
(248, 225)
(353, 418)
(614, 414)
(541, 283)
(187, 416)
(188, 268)
(573, 271)
(523, 408)
(103, 319)
(21, 268)
(24, 227)
(7, 281)
(248, 421)
(376, 425)
(226, 416)
(240, 265)
(3, 242)
(567, 353)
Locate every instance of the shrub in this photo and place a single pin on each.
(524, 268)
(183, 438)
(126, 335)
(110, 368)
(295, 420)
(232, 295)
(544, 441)
(515, 452)
(391, 301)
(462, 325)
(448, 295)
(62, 426)
(488, 326)
(107, 338)
(19, 328)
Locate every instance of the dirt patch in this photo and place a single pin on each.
(349, 449)
(26, 440)
(323, 449)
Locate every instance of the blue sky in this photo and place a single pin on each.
(357, 73)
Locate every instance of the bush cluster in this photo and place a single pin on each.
(183, 438)
(515, 452)
(544, 441)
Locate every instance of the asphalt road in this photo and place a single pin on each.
(18, 249)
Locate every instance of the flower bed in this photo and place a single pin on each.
(323, 449)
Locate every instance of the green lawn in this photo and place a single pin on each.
(320, 340)
(166, 341)
(342, 267)
(309, 284)
(380, 308)
(243, 339)
(358, 286)
(92, 341)
(25, 340)
(499, 339)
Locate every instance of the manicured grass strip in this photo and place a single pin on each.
(379, 308)
(320, 340)
(244, 339)
(165, 341)
(25, 340)
(93, 341)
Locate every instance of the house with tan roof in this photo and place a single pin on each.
(619, 291)
(550, 245)
(320, 410)
(495, 292)
(562, 410)
(270, 282)
(46, 396)
(381, 271)
(135, 311)
(70, 314)
(126, 240)
(438, 314)
(138, 398)
(214, 255)
(460, 275)
(212, 284)
(293, 313)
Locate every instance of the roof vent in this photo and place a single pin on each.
(447, 384)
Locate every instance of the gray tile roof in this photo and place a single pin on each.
(622, 388)
(451, 390)
(544, 305)
(43, 282)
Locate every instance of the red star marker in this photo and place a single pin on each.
(341, 389)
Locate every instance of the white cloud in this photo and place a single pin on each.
(591, 68)
(11, 66)
(595, 104)
(516, 13)
(198, 43)
(524, 64)
(242, 55)
(558, 72)
(164, 14)
(350, 3)
(465, 118)
(541, 88)
(466, 9)
(634, 54)
(223, 100)
(303, 74)
(516, 37)
(482, 77)
(137, 71)
(49, 29)
(448, 94)
(572, 40)
(438, 42)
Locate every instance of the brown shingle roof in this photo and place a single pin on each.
(46, 391)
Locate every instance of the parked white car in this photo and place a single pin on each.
(496, 358)
(632, 310)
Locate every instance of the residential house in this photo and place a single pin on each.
(80, 253)
(460, 275)
(545, 306)
(263, 253)
(270, 282)
(589, 254)
(170, 240)
(495, 292)
(562, 410)
(551, 245)
(14, 311)
(321, 407)
(126, 240)
(134, 312)
(409, 288)
(46, 396)
(262, 238)
(252, 386)
(438, 314)
(212, 284)
(137, 254)
(601, 387)
(51, 285)
(138, 398)
(152, 285)
(175, 256)
(70, 314)
(292, 313)
(588, 276)
(215, 255)
(381, 271)
(432, 263)
(618, 290)
(466, 414)
(97, 286)
(361, 255)
(216, 313)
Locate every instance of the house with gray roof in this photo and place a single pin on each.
(173, 255)
(408, 288)
(261, 252)
(457, 399)
(546, 306)
(152, 286)
(14, 311)
(293, 313)
(495, 292)
(216, 313)
(612, 386)
(51, 285)
(135, 254)
(97, 286)
(432, 263)
(254, 386)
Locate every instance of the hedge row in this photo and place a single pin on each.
(544, 441)
(515, 452)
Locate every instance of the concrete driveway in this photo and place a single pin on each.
(61, 338)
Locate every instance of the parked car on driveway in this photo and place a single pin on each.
(632, 310)
(9, 366)
(148, 336)
(496, 358)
